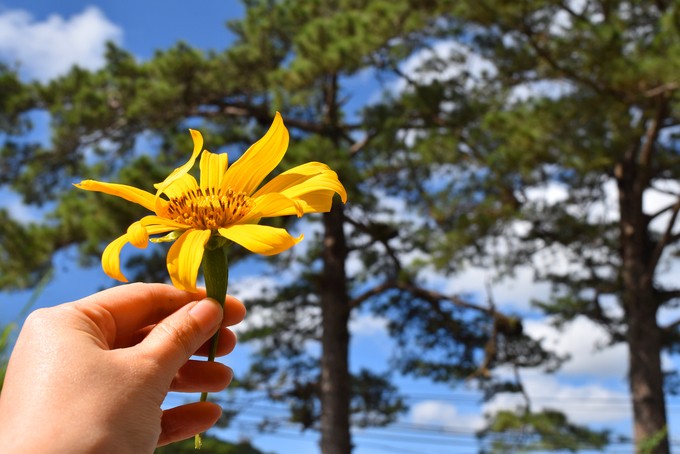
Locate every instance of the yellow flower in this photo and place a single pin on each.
(225, 202)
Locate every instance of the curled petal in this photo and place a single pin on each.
(260, 239)
(138, 235)
(111, 258)
(111, 255)
(246, 174)
(184, 258)
(182, 170)
(129, 193)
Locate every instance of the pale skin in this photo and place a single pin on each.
(90, 376)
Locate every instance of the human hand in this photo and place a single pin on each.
(90, 376)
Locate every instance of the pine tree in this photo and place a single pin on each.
(577, 95)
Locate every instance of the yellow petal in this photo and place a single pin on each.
(316, 202)
(182, 170)
(111, 258)
(292, 177)
(129, 193)
(161, 224)
(321, 183)
(270, 205)
(137, 235)
(246, 174)
(213, 166)
(184, 258)
(260, 239)
(182, 185)
(305, 179)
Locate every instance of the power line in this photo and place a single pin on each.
(476, 398)
(252, 411)
(412, 433)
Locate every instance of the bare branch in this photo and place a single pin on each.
(419, 292)
(378, 239)
(580, 17)
(523, 391)
(361, 144)
(491, 346)
(663, 210)
(671, 326)
(652, 136)
(432, 296)
(375, 291)
(664, 190)
(667, 295)
(665, 239)
(664, 89)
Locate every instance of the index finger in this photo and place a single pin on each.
(134, 306)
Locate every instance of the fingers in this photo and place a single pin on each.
(172, 341)
(225, 344)
(199, 376)
(183, 422)
(134, 306)
(137, 307)
(234, 311)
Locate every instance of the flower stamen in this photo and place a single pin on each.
(209, 209)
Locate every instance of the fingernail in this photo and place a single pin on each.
(207, 314)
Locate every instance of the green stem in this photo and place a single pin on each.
(216, 273)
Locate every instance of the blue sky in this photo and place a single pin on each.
(46, 37)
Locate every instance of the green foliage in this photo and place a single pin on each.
(649, 445)
(15, 99)
(25, 252)
(547, 430)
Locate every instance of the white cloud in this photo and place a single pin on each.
(18, 211)
(251, 287)
(247, 289)
(511, 293)
(587, 404)
(49, 48)
(580, 339)
(457, 60)
(367, 325)
(549, 194)
(438, 413)
(552, 89)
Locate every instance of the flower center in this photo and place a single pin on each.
(209, 209)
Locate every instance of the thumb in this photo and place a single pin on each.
(178, 336)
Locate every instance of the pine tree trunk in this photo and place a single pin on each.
(643, 335)
(335, 379)
(646, 378)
